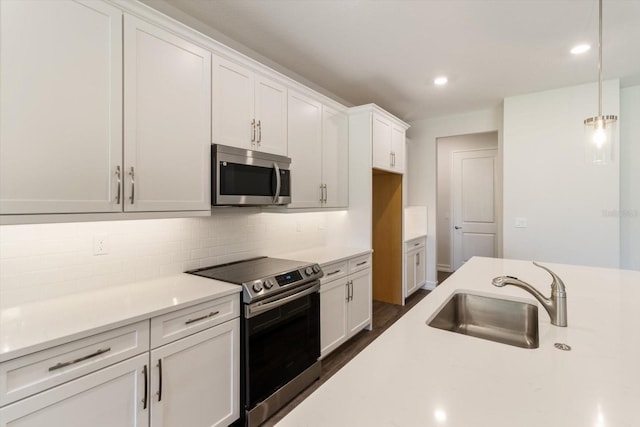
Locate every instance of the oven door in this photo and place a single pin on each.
(282, 339)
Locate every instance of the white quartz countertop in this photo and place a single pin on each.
(33, 327)
(324, 255)
(416, 375)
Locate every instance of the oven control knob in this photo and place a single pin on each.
(257, 286)
(316, 269)
(268, 284)
(308, 271)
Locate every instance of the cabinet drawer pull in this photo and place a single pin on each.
(416, 244)
(80, 359)
(146, 387)
(333, 272)
(206, 316)
(361, 263)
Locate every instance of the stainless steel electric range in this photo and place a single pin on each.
(280, 330)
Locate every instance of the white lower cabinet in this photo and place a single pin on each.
(415, 265)
(112, 396)
(195, 381)
(345, 302)
(114, 379)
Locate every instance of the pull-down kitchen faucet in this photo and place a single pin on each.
(556, 306)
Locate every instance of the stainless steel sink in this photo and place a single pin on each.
(494, 319)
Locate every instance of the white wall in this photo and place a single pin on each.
(445, 148)
(630, 178)
(50, 260)
(421, 158)
(548, 182)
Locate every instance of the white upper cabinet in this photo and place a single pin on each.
(249, 110)
(167, 87)
(319, 149)
(388, 139)
(60, 106)
(305, 150)
(335, 158)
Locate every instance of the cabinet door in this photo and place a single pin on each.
(381, 142)
(167, 119)
(271, 116)
(335, 157)
(109, 397)
(304, 131)
(333, 315)
(232, 105)
(360, 304)
(421, 270)
(410, 272)
(397, 148)
(195, 381)
(60, 106)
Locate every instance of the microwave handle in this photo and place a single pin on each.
(278, 183)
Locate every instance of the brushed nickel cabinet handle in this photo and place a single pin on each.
(259, 132)
(119, 191)
(133, 185)
(197, 319)
(80, 359)
(321, 193)
(333, 272)
(146, 386)
(361, 263)
(253, 130)
(159, 393)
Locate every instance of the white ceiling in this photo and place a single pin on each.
(388, 51)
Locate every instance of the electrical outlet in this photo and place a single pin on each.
(100, 245)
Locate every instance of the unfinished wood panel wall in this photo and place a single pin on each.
(387, 237)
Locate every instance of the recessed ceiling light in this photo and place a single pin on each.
(440, 81)
(581, 48)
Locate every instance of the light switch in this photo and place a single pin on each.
(521, 222)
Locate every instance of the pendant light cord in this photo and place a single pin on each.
(600, 59)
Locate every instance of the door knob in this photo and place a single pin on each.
(457, 227)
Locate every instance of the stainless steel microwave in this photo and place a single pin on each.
(242, 177)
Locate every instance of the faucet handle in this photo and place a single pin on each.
(557, 286)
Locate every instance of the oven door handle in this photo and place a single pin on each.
(278, 182)
(252, 311)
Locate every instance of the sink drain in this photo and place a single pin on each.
(562, 346)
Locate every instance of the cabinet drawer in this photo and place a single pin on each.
(418, 243)
(334, 271)
(39, 371)
(181, 323)
(359, 263)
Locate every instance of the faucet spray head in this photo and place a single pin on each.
(500, 281)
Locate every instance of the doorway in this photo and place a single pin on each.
(469, 197)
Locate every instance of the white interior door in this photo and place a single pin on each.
(474, 195)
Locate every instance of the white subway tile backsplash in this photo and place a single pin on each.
(50, 260)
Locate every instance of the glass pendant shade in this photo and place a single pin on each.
(599, 135)
(600, 130)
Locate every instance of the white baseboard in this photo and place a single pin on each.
(429, 286)
(445, 267)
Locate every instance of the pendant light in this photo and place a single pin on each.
(600, 130)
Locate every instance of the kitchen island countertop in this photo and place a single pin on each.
(416, 375)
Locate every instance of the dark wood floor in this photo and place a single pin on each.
(384, 315)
